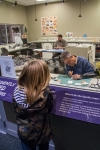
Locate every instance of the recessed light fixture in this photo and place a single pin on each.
(0, 0)
(40, 0)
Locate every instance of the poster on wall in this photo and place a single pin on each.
(69, 34)
(16, 31)
(49, 25)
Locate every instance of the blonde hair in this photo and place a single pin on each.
(34, 77)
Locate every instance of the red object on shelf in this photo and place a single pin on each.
(98, 50)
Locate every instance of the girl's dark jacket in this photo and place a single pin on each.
(33, 122)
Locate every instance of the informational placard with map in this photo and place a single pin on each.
(49, 25)
(7, 67)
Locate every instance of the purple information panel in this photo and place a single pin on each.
(7, 86)
(68, 102)
(76, 104)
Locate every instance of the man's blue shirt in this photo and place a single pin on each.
(82, 66)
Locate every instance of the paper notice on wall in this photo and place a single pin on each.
(49, 25)
(69, 34)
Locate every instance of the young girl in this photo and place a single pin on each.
(33, 103)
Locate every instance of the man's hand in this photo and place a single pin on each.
(58, 47)
(70, 73)
(76, 76)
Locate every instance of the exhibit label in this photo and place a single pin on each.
(76, 104)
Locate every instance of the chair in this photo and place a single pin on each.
(27, 52)
(33, 46)
(56, 60)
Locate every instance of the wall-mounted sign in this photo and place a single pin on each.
(49, 25)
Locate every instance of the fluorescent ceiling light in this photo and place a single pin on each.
(40, 0)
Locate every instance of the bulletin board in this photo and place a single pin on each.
(49, 25)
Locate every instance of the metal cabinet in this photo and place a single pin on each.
(47, 46)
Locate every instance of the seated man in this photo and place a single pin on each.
(59, 44)
(76, 66)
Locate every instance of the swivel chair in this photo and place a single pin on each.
(56, 61)
(29, 50)
(32, 47)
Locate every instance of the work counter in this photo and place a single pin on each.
(69, 41)
(17, 49)
(10, 47)
(91, 40)
(75, 118)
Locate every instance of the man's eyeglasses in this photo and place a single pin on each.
(68, 61)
